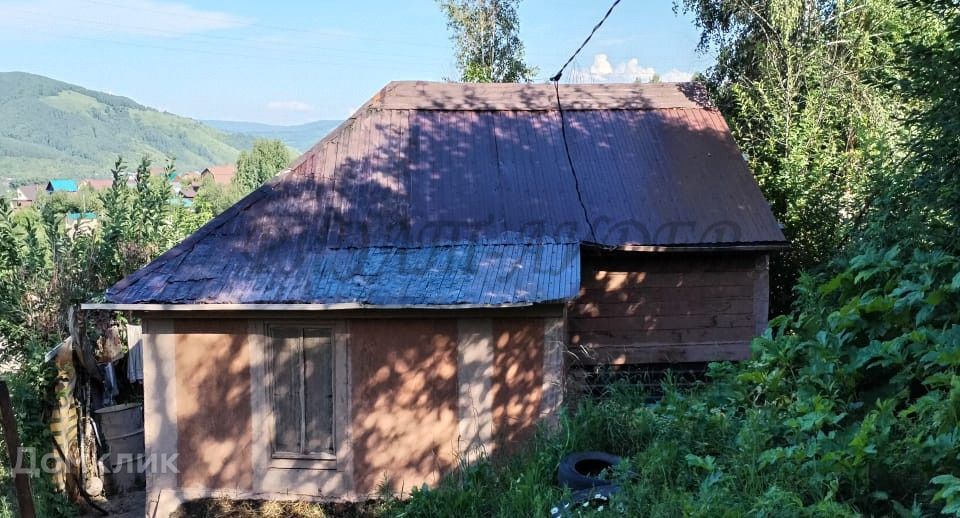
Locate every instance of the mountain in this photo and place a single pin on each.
(49, 128)
(301, 137)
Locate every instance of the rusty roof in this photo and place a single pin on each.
(222, 174)
(464, 274)
(437, 166)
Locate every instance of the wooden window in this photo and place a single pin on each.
(301, 370)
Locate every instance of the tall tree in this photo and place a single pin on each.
(927, 195)
(254, 167)
(794, 79)
(486, 36)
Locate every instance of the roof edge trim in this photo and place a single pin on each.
(745, 247)
(297, 307)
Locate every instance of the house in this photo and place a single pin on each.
(221, 174)
(412, 290)
(79, 223)
(61, 185)
(97, 184)
(26, 195)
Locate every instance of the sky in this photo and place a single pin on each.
(290, 62)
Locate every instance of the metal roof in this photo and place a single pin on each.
(439, 168)
(465, 274)
(62, 186)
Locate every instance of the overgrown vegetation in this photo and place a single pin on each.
(48, 264)
(45, 268)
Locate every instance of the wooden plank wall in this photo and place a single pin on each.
(667, 307)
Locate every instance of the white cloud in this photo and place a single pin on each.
(601, 65)
(289, 106)
(629, 71)
(154, 18)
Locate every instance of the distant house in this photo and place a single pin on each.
(76, 223)
(26, 195)
(188, 192)
(410, 293)
(97, 184)
(221, 174)
(61, 185)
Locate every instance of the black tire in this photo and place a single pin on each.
(599, 495)
(581, 470)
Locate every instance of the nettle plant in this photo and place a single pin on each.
(863, 383)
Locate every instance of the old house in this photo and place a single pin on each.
(221, 174)
(97, 184)
(26, 195)
(413, 288)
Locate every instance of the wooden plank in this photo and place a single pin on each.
(761, 294)
(287, 389)
(614, 280)
(318, 390)
(637, 294)
(11, 436)
(662, 353)
(645, 307)
(676, 336)
(653, 323)
(670, 263)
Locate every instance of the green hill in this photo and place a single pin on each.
(49, 128)
(300, 137)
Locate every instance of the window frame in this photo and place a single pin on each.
(341, 457)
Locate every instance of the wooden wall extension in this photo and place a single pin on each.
(420, 395)
(668, 307)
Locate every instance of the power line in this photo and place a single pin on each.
(563, 124)
(559, 73)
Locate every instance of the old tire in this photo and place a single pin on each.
(594, 496)
(581, 470)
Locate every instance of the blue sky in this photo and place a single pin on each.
(285, 62)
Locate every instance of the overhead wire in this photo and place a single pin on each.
(563, 125)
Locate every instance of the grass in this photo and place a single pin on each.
(222, 507)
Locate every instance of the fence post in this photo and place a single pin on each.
(21, 481)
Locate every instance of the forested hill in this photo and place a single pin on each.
(49, 128)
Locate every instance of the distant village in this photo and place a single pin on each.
(184, 187)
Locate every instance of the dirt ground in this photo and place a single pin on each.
(127, 505)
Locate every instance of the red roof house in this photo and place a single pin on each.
(221, 174)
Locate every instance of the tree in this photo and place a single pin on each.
(927, 195)
(254, 167)
(795, 80)
(486, 36)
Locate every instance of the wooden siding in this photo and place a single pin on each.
(414, 391)
(405, 401)
(517, 379)
(665, 308)
(213, 404)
